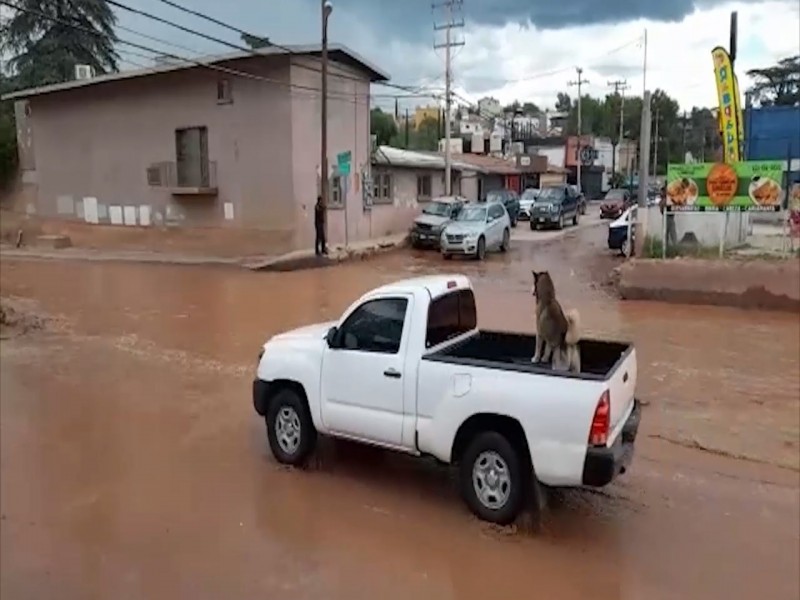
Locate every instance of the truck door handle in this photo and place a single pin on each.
(393, 373)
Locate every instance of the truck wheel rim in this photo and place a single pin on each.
(287, 429)
(491, 480)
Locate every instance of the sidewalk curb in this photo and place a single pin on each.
(306, 259)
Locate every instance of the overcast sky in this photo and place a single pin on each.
(514, 49)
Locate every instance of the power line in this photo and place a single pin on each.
(620, 85)
(559, 70)
(192, 61)
(242, 32)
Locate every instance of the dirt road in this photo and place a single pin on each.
(132, 464)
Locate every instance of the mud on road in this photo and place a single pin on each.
(132, 464)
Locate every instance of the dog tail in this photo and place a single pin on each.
(573, 327)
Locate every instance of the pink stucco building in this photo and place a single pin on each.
(232, 144)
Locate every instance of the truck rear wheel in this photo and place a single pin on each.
(492, 478)
(290, 430)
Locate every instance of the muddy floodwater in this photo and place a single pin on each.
(132, 464)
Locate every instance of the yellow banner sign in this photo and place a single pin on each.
(728, 105)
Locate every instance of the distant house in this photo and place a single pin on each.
(236, 145)
(421, 113)
(404, 179)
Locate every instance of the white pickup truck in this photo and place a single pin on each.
(406, 368)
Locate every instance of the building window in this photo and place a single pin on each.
(224, 93)
(191, 154)
(382, 188)
(423, 188)
(335, 197)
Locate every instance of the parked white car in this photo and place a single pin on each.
(477, 229)
(406, 368)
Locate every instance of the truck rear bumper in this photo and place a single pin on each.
(603, 464)
(260, 395)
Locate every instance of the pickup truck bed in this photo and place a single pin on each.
(513, 352)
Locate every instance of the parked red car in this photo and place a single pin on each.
(615, 203)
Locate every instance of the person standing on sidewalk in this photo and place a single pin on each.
(319, 228)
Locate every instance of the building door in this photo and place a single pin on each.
(191, 153)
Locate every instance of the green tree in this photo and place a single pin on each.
(45, 49)
(563, 102)
(513, 108)
(530, 109)
(8, 135)
(778, 85)
(426, 136)
(382, 125)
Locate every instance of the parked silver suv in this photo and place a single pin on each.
(478, 228)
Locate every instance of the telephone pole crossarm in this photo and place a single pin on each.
(450, 8)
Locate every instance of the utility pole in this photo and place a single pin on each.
(579, 82)
(406, 144)
(683, 143)
(450, 7)
(655, 144)
(324, 180)
(620, 85)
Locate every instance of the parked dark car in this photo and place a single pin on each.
(426, 231)
(615, 203)
(509, 199)
(554, 206)
(581, 199)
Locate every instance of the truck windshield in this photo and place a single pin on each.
(551, 194)
(450, 316)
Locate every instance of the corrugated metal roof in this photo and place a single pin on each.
(338, 53)
(400, 157)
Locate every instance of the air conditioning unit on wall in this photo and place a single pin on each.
(84, 72)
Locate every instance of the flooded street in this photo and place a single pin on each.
(132, 464)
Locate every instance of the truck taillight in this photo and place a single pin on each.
(601, 422)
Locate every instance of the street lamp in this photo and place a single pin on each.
(327, 9)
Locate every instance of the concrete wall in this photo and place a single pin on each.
(555, 155)
(348, 130)
(764, 284)
(98, 141)
(707, 227)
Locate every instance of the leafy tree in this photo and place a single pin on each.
(46, 50)
(513, 108)
(426, 137)
(255, 42)
(530, 109)
(778, 85)
(563, 102)
(8, 135)
(382, 125)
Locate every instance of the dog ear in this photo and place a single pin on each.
(535, 275)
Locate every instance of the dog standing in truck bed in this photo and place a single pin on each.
(557, 332)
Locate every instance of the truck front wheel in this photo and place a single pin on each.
(290, 430)
(492, 478)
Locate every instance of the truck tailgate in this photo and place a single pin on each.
(621, 388)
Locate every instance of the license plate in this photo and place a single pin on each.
(541, 220)
(423, 236)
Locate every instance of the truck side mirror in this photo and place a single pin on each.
(330, 337)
